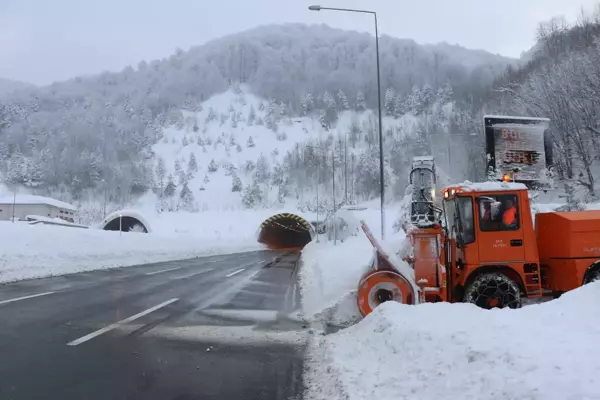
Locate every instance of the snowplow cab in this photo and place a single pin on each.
(491, 246)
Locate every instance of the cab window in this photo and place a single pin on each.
(467, 221)
(498, 213)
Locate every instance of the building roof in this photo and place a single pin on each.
(32, 199)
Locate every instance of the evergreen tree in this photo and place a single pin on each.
(161, 172)
(308, 104)
(427, 96)
(361, 104)
(250, 142)
(192, 164)
(236, 183)
(212, 166)
(187, 198)
(177, 166)
(183, 178)
(342, 101)
(399, 107)
(389, 101)
(445, 93)
(252, 196)
(171, 187)
(206, 178)
(282, 109)
(271, 116)
(330, 115)
(184, 141)
(251, 116)
(238, 148)
(262, 170)
(414, 103)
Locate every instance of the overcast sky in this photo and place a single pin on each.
(46, 40)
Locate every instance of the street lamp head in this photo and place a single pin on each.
(314, 8)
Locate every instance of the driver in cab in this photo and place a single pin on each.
(509, 217)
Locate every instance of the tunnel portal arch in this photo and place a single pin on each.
(126, 221)
(286, 231)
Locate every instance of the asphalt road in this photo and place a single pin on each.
(219, 327)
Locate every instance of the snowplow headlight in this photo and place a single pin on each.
(506, 178)
(433, 193)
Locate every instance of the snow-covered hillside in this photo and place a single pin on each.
(236, 140)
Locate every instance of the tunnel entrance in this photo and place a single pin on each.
(126, 224)
(285, 232)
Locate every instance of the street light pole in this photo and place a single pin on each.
(14, 205)
(381, 163)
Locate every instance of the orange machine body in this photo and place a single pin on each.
(569, 244)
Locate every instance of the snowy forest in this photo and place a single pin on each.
(95, 136)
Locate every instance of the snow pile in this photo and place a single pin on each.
(458, 351)
(329, 276)
(31, 251)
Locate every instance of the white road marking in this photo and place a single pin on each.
(108, 328)
(25, 297)
(164, 270)
(195, 273)
(235, 273)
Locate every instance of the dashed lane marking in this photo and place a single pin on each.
(25, 297)
(163, 270)
(102, 331)
(194, 274)
(235, 273)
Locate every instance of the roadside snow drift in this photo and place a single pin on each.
(329, 277)
(32, 251)
(458, 351)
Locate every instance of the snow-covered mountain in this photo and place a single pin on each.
(102, 137)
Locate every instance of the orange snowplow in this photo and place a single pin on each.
(488, 251)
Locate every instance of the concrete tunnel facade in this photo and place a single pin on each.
(126, 221)
(286, 231)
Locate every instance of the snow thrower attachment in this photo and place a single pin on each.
(423, 211)
(384, 281)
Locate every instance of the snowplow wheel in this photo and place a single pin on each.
(380, 286)
(493, 291)
(592, 274)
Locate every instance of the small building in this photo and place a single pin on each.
(26, 204)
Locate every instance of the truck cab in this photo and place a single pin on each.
(491, 251)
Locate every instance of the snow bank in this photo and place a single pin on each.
(329, 276)
(32, 251)
(458, 351)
